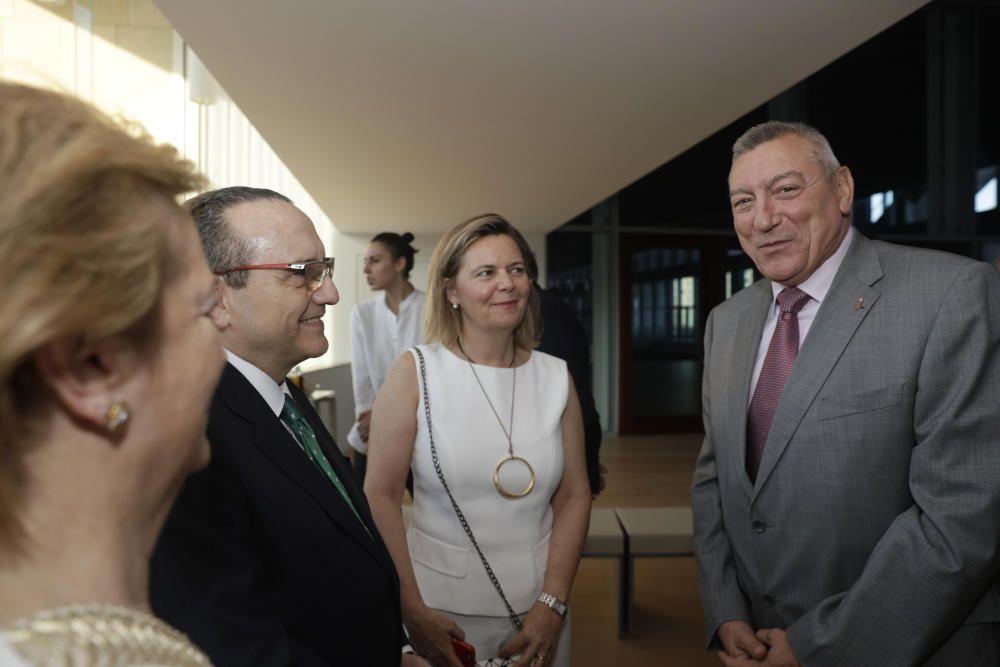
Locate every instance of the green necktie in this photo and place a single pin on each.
(292, 417)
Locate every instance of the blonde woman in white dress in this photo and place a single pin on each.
(507, 434)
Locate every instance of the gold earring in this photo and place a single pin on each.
(116, 416)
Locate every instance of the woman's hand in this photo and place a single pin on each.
(365, 424)
(536, 643)
(430, 634)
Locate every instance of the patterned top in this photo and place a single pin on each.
(99, 636)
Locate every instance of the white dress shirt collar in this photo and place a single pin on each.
(818, 284)
(272, 392)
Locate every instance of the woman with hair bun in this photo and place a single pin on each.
(381, 329)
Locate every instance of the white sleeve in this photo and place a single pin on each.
(364, 391)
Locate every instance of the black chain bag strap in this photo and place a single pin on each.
(498, 662)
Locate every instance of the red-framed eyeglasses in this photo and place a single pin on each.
(314, 272)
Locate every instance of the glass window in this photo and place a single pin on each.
(988, 129)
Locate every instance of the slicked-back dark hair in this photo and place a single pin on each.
(224, 248)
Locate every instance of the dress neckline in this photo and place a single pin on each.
(463, 360)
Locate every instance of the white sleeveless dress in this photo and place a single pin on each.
(513, 533)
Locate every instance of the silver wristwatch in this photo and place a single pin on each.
(553, 603)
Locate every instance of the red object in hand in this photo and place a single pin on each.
(466, 652)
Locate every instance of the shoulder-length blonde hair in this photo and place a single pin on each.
(442, 323)
(82, 253)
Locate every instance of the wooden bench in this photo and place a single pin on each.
(652, 532)
(605, 539)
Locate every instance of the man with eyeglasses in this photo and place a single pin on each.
(270, 555)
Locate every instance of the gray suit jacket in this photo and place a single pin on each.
(872, 532)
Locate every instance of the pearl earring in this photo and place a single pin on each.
(454, 306)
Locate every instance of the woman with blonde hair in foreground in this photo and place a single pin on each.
(494, 435)
(108, 359)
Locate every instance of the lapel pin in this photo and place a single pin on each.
(860, 303)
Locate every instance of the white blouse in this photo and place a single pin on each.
(378, 337)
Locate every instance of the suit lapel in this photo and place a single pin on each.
(836, 322)
(749, 328)
(342, 468)
(278, 446)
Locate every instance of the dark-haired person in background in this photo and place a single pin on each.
(381, 328)
(563, 336)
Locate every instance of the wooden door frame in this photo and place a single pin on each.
(711, 288)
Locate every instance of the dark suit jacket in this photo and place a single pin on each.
(563, 336)
(261, 562)
(872, 533)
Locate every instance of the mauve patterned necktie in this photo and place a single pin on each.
(773, 375)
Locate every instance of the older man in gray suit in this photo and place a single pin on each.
(847, 495)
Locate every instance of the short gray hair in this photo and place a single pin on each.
(224, 248)
(775, 129)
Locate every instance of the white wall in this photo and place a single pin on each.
(125, 57)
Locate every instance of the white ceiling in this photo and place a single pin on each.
(418, 114)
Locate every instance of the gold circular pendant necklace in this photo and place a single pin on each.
(508, 432)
